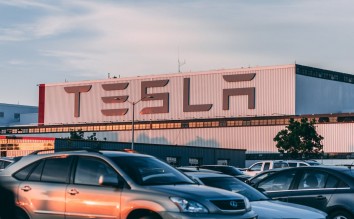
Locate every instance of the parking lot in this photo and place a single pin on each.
(96, 182)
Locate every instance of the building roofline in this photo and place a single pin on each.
(169, 75)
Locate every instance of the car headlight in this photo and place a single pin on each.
(186, 205)
(247, 204)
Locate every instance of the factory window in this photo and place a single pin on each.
(223, 162)
(2, 114)
(192, 124)
(323, 119)
(185, 125)
(255, 122)
(174, 161)
(155, 126)
(246, 122)
(163, 125)
(144, 126)
(222, 123)
(125, 127)
(170, 125)
(280, 121)
(215, 124)
(195, 161)
(17, 116)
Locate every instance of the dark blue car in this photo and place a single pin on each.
(327, 188)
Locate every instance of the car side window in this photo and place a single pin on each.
(281, 181)
(332, 182)
(302, 165)
(266, 166)
(6, 163)
(292, 164)
(280, 165)
(256, 167)
(90, 171)
(37, 172)
(23, 173)
(313, 180)
(56, 169)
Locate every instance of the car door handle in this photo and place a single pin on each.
(320, 197)
(26, 188)
(73, 192)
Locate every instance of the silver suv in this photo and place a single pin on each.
(111, 184)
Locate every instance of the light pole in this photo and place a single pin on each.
(133, 116)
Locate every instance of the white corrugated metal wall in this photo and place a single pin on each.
(274, 94)
(338, 137)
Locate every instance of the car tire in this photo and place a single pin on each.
(20, 214)
(341, 214)
(149, 217)
(144, 215)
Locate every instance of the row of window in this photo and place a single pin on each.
(193, 161)
(168, 125)
(324, 74)
(16, 115)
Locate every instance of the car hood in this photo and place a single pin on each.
(271, 209)
(196, 192)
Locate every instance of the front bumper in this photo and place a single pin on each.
(179, 215)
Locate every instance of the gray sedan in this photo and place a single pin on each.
(265, 207)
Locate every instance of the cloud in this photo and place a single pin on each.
(27, 4)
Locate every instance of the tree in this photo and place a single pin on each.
(300, 139)
(79, 135)
(92, 137)
(76, 135)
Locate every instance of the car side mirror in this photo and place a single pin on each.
(248, 182)
(108, 180)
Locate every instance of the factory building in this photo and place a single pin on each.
(239, 109)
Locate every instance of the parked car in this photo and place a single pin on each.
(111, 184)
(302, 163)
(261, 166)
(229, 170)
(195, 169)
(265, 207)
(254, 179)
(327, 188)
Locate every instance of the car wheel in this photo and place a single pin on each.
(20, 214)
(340, 215)
(145, 214)
(149, 217)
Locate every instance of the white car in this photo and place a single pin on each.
(302, 163)
(265, 207)
(261, 166)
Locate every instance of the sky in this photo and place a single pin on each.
(54, 41)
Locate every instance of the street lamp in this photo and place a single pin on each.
(133, 103)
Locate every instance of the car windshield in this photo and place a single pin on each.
(233, 171)
(150, 171)
(234, 185)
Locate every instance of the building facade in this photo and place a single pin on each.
(230, 109)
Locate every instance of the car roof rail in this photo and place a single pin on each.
(88, 149)
(45, 151)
